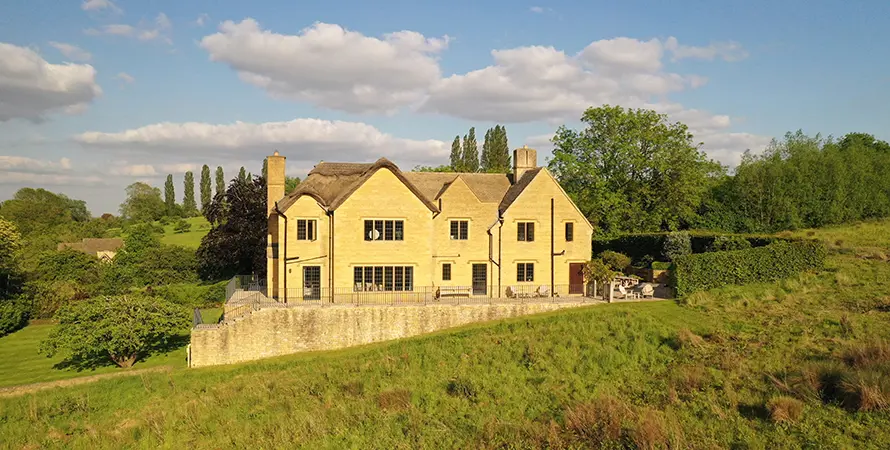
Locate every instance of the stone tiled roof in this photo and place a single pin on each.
(331, 183)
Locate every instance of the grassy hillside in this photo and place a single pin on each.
(190, 239)
(794, 364)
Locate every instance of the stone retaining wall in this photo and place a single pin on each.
(281, 331)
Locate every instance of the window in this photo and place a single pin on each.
(460, 229)
(525, 231)
(383, 278)
(306, 230)
(446, 272)
(525, 272)
(384, 230)
(570, 231)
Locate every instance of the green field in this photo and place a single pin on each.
(797, 364)
(190, 239)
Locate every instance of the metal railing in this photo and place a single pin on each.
(379, 295)
(249, 283)
(197, 318)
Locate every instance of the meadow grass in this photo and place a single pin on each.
(20, 362)
(727, 368)
(189, 239)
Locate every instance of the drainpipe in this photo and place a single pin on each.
(552, 249)
(490, 255)
(500, 241)
(284, 260)
(331, 255)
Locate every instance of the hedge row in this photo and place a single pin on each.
(778, 260)
(640, 245)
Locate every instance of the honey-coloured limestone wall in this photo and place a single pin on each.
(281, 331)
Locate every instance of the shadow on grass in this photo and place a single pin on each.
(97, 360)
(753, 411)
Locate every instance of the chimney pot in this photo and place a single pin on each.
(523, 159)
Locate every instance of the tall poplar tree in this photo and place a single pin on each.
(486, 152)
(189, 207)
(220, 180)
(206, 193)
(470, 152)
(457, 156)
(242, 174)
(499, 153)
(169, 196)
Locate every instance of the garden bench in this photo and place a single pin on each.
(454, 291)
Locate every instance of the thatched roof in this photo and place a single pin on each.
(94, 245)
(332, 183)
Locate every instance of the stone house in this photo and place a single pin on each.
(103, 248)
(354, 230)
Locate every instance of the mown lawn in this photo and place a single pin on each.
(726, 368)
(20, 362)
(191, 238)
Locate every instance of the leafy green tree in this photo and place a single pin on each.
(265, 170)
(632, 171)
(236, 244)
(290, 183)
(206, 190)
(242, 174)
(169, 196)
(10, 245)
(676, 244)
(220, 180)
(499, 160)
(39, 210)
(442, 168)
(485, 158)
(68, 265)
(457, 156)
(119, 329)
(143, 203)
(189, 207)
(470, 155)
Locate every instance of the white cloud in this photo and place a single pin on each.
(157, 31)
(23, 164)
(125, 77)
(30, 87)
(536, 9)
(308, 140)
(728, 51)
(330, 66)
(134, 170)
(71, 51)
(202, 19)
(97, 5)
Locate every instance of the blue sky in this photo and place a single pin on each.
(97, 94)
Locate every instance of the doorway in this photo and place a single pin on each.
(312, 283)
(480, 279)
(576, 278)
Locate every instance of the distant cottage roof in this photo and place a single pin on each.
(94, 245)
(331, 183)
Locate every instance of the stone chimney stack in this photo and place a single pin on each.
(523, 159)
(274, 180)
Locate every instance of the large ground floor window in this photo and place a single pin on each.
(383, 278)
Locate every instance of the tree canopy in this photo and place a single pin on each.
(143, 203)
(121, 329)
(632, 170)
(236, 245)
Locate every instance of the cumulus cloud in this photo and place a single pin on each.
(134, 170)
(25, 164)
(202, 19)
(30, 87)
(308, 140)
(330, 66)
(71, 51)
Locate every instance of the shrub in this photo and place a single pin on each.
(661, 265)
(598, 422)
(459, 387)
(762, 264)
(784, 409)
(120, 329)
(866, 390)
(615, 260)
(182, 226)
(164, 220)
(867, 354)
(728, 243)
(648, 246)
(676, 245)
(650, 432)
(13, 316)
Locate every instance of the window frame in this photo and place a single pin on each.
(525, 272)
(524, 231)
(389, 229)
(446, 274)
(388, 278)
(459, 229)
(309, 231)
(570, 231)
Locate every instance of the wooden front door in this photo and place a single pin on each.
(576, 278)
